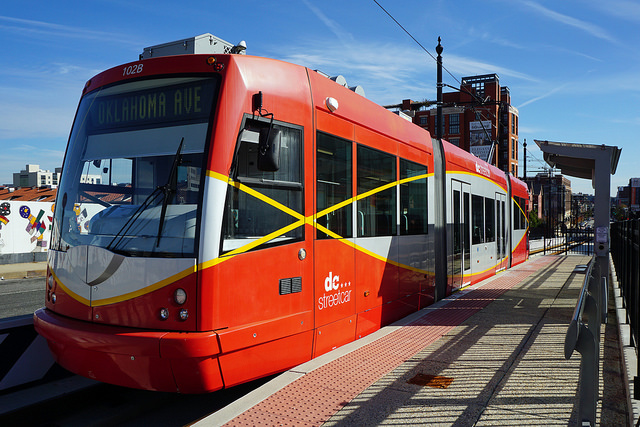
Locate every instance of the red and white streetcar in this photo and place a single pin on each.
(223, 217)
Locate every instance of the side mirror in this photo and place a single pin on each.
(269, 149)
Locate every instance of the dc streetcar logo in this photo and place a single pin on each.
(337, 296)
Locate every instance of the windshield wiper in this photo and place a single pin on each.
(164, 190)
(127, 225)
(169, 188)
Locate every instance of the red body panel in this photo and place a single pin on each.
(521, 251)
(133, 358)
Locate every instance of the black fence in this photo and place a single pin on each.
(625, 252)
(575, 241)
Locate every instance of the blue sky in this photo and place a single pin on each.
(573, 67)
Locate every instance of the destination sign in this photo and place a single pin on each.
(168, 104)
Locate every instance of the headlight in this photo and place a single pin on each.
(164, 313)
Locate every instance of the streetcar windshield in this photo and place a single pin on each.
(133, 171)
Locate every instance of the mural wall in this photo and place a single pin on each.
(25, 226)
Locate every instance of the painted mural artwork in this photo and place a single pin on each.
(5, 210)
(25, 226)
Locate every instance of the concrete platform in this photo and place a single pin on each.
(492, 354)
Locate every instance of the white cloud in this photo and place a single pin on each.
(623, 9)
(587, 27)
(390, 72)
(29, 27)
(546, 94)
(493, 37)
(333, 26)
(464, 66)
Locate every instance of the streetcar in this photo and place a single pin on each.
(222, 217)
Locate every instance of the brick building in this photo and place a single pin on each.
(629, 196)
(551, 197)
(478, 118)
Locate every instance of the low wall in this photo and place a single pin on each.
(22, 258)
(25, 231)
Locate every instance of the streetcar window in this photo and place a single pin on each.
(523, 213)
(265, 202)
(133, 169)
(413, 198)
(377, 209)
(333, 186)
(502, 207)
(519, 209)
(490, 220)
(247, 159)
(477, 219)
(466, 233)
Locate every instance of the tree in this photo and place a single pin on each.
(534, 221)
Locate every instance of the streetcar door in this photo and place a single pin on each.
(501, 229)
(466, 231)
(334, 253)
(460, 260)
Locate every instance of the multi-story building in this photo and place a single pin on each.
(629, 196)
(33, 176)
(478, 118)
(553, 196)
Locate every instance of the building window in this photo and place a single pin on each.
(455, 141)
(479, 87)
(454, 124)
(513, 123)
(424, 120)
(513, 148)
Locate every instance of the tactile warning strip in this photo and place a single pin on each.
(315, 397)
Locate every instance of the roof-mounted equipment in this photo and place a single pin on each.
(206, 44)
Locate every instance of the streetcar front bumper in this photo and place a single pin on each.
(184, 362)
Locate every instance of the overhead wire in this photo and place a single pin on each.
(486, 112)
(443, 67)
(415, 40)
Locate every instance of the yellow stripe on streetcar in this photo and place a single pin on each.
(302, 220)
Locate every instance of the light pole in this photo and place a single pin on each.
(525, 158)
(439, 124)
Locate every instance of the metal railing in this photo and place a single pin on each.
(570, 241)
(585, 338)
(625, 253)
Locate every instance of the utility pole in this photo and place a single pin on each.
(440, 191)
(525, 158)
(440, 124)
